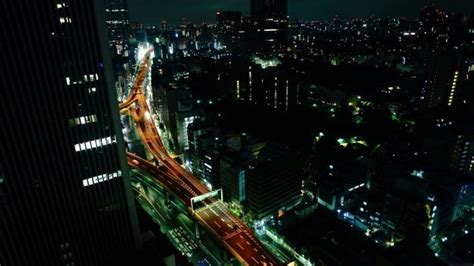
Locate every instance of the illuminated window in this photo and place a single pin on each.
(94, 144)
(453, 88)
(250, 83)
(298, 94)
(65, 20)
(83, 120)
(91, 77)
(275, 94)
(238, 89)
(91, 90)
(68, 80)
(100, 178)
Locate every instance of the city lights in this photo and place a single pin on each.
(272, 134)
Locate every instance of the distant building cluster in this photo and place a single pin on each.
(386, 100)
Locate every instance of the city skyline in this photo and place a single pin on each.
(257, 139)
(152, 12)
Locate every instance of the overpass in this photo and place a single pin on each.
(238, 239)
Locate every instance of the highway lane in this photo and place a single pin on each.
(172, 185)
(148, 128)
(138, 82)
(148, 132)
(235, 234)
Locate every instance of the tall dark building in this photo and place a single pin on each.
(446, 75)
(117, 21)
(270, 22)
(65, 195)
(273, 186)
(229, 28)
(269, 8)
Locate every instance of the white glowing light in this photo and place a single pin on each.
(143, 48)
(147, 115)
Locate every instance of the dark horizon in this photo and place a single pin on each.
(152, 12)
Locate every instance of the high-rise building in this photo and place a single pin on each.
(270, 20)
(264, 177)
(178, 112)
(65, 193)
(204, 143)
(229, 28)
(269, 8)
(265, 82)
(273, 186)
(118, 28)
(462, 158)
(117, 21)
(234, 165)
(446, 76)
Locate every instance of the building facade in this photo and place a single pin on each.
(270, 20)
(117, 21)
(65, 192)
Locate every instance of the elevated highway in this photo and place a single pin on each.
(214, 215)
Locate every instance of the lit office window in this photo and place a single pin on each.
(100, 178)
(83, 120)
(238, 89)
(65, 20)
(453, 88)
(92, 144)
(91, 77)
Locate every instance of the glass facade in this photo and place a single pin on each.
(65, 192)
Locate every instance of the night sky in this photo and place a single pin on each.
(151, 12)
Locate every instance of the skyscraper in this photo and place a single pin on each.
(269, 8)
(118, 28)
(65, 195)
(229, 28)
(116, 17)
(270, 18)
(446, 76)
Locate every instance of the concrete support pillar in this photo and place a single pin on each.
(167, 199)
(196, 229)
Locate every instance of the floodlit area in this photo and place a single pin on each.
(266, 63)
(142, 49)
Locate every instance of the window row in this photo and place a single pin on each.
(100, 178)
(94, 144)
(82, 120)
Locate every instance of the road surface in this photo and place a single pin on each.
(214, 216)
